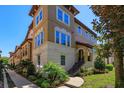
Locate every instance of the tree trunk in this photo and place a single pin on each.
(119, 68)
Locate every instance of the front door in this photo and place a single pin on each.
(81, 55)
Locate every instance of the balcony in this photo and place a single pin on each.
(85, 37)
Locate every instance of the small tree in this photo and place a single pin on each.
(99, 64)
(4, 60)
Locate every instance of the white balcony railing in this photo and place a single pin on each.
(85, 37)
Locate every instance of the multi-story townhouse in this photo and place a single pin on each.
(60, 37)
(27, 45)
(17, 53)
(11, 59)
(24, 51)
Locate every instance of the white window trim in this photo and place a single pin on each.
(36, 20)
(61, 31)
(68, 18)
(63, 12)
(80, 34)
(38, 15)
(36, 36)
(57, 14)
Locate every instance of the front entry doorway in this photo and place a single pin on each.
(81, 55)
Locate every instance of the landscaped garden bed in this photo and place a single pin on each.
(50, 76)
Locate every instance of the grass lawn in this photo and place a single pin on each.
(99, 80)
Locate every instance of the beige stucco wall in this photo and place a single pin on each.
(53, 22)
(42, 51)
(55, 51)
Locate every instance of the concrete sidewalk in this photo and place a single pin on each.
(20, 81)
(74, 82)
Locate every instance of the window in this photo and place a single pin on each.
(57, 37)
(79, 30)
(63, 16)
(60, 14)
(39, 17)
(37, 20)
(38, 60)
(63, 39)
(42, 37)
(39, 39)
(68, 40)
(66, 19)
(62, 60)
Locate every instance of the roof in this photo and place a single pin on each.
(84, 26)
(72, 9)
(33, 10)
(29, 28)
(19, 47)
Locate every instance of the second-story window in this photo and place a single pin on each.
(39, 39)
(63, 39)
(37, 20)
(79, 30)
(57, 37)
(42, 37)
(39, 17)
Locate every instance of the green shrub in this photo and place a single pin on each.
(45, 84)
(99, 64)
(86, 71)
(109, 67)
(39, 81)
(32, 78)
(53, 73)
(31, 70)
(106, 70)
(25, 68)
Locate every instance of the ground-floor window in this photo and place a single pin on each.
(38, 60)
(62, 60)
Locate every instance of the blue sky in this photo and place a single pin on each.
(14, 22)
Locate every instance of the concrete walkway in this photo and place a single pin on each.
(74, 82)
(20, 81)
(5, 79)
